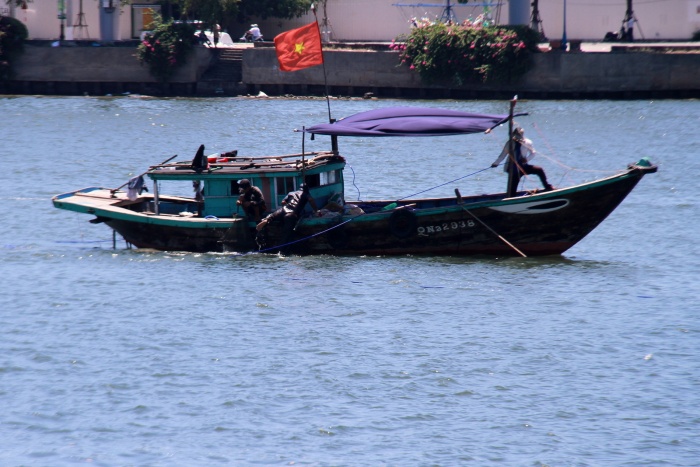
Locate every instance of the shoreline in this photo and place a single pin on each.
(589, 70)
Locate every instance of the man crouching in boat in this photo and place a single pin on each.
(291, 211)
(523, 152)
(251, 199)
(292, 207)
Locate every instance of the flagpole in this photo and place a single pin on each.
(325, 78)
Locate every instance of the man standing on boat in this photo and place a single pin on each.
(517, 164)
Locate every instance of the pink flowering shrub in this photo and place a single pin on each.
(463, 53)
(166, 48)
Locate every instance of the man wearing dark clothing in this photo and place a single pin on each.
(251, 199)
(291, 210)
(517, 166)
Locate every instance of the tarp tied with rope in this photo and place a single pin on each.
(410, 121)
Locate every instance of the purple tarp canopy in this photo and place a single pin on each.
(410, 121)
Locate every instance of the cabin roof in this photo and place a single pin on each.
(245, 167)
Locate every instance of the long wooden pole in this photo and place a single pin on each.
(500, 237)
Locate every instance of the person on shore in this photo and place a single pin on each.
(203, 39)
(251, 199)
(517, 165)
(253, 34)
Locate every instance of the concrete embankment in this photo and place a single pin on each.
(97, 71)
(621, 71)
(612, 72)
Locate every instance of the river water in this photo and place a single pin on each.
(117, 357)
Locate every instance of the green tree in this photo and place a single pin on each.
(13, 33)
(165, 48)
(274, 8)
(211, 12)
(221, 11)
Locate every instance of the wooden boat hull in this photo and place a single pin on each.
(239, 237)
(167, 232)
(532, 224)
(547, 223)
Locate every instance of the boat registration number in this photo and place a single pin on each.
(431, 229)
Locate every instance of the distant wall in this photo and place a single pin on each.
(98, 71)
(616, 73)
(98, 64)
(105, 70)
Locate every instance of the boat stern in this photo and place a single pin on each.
(88, 200)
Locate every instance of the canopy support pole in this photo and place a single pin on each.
(511, 149)
(156, 201)
(303, 153)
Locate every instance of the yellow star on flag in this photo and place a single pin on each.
(299, 47)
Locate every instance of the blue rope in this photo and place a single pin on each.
(279, 247)
(353, 182)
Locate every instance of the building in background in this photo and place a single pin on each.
(588, 20)
(96, 20)
(372, 20)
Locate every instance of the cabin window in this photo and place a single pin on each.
(184, 189)
(329, 178)
(285, 185)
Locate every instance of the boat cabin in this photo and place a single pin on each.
(215, 185)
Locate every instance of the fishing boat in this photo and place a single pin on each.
(525, 223)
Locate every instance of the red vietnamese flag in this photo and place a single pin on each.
(299, 48)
